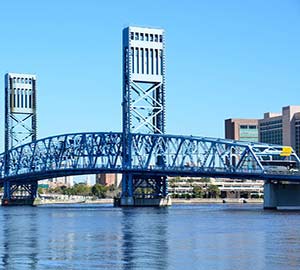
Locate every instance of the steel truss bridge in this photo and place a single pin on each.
(153, 157)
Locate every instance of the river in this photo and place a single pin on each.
(204, 236)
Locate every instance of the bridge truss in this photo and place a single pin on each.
(153, 158)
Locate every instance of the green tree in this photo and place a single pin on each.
(198, 192)
(213, 191)
(82, 189)
(41, 190)
(205, 180)
(99, 190)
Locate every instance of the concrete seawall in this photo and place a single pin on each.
(174, 201)
(226, 200)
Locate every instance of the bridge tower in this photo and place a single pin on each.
(143, 108)
(20, 128)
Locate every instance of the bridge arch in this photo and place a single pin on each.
(102, 152)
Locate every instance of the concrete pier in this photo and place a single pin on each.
(281, 195)
(142, 202)
(18, 202)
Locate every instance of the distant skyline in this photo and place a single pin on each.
(224, 59)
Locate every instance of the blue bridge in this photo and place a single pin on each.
(153, 159)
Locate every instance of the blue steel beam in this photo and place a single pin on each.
(152, 156)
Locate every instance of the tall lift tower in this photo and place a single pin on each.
(143, 107)
(20, 128)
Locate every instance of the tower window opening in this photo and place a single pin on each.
(18, 98)
(151, 61)
(131, 35)
(25, 99)
(146, 37)
(136, 36)
(142, 60)
(132, 60)
(137, 60)
(156, 61)
(151, 37)
(161, 61)
(156, 38)
(22, 98)
(147, 61)
(15, 98)
(142, 36)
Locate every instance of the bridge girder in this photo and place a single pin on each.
(151, 154)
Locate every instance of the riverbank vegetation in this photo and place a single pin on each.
(97, 190)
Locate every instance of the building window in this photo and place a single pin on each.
(146, 37)
(29, 81)
(156, 38)
(160, 38)
(151, 37)
(136, 36)
(131, 35)
(142, 37)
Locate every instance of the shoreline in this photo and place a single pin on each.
(215, 200)
(174, 201)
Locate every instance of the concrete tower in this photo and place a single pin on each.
(20, 128)
(20, 109)
(143, 102)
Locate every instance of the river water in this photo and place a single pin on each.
(219, 236)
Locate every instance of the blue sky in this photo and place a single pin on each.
(224, 59)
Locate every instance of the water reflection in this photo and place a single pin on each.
(20, 244)
(145, 238)
(180, 237)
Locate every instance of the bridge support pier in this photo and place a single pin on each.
(142, 202)
(140, 190)
(278, 195)
(18, 194)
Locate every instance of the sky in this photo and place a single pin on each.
(224, 59)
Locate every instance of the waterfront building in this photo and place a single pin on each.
(229, 188)
(274, 128)
(241, 129)
(109, 179)
(281, 128)
(67, 181)
(237, 188)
